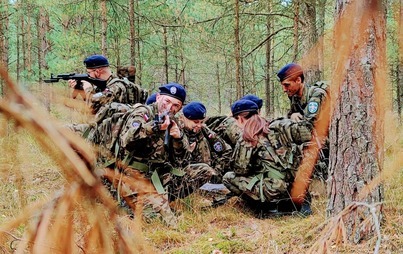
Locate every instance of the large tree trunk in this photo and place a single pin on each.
(356, 132)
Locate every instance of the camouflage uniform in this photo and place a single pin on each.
(117, 90)
(264, 173)
(128, 139)
(210, 149)
(309, 106)
(225, 127)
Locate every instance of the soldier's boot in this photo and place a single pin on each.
(305, 209)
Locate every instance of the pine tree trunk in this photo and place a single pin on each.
(356, 131)
(166, 70)
(309, 41)
(104, 29)
(321, 33)
(237, 53)
(400, 64)
(132, 33)
(268, 91)
(296, 29)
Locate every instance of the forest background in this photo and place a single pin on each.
(220, 50)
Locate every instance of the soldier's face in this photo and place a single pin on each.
(193, 125)
(168, 103)
(291, 86)
(93, 73)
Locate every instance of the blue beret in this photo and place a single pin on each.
(255, 99)
(241, 106)
(151, 99)
(290, 70)
(194, 111)
(96, 61)
(174, 90)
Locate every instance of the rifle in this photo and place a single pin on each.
(100, 84)
(159, 119)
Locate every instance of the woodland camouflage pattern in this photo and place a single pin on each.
(311, 95)
(118, 90)
(225, 127)
(265, 172)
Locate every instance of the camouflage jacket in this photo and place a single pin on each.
(225, 127)
(141, 138)
(263, 159)
(310, 103)
(288, 138)
(117, 90)
(210, 149)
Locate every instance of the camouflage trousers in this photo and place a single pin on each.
(258, 187)
(195, 175)
(135, 191)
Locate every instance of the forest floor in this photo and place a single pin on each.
(28, 175)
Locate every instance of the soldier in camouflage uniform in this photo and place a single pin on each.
(305, 105)
(133, 139)
(263, 164)
(205, 146)
(116, 90)
(226, 126)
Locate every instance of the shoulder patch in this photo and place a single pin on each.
(217, 146)
(313, 107)
(135, 124)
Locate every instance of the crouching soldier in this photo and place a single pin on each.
(263, 169)
(136, 141)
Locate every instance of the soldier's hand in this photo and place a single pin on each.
(192, 146)
(72, 83)
(175, 132)
(297, 117)
(166, 123)
(229, 175)
(87, 86)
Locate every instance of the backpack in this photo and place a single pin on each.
(134, 93)
(108, 126)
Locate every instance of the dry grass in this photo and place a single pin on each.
(48, 206)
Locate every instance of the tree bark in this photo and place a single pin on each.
(237, 53)
(166, 70)
(400, 63)
(132, 33)
(296, 30)
(309, 41)
(42, 26)
(268, 91)
(104, 28)
(321, 10)
(357, 125)
(218, 88)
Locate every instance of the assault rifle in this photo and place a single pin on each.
(159, 119)
(100, 84)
